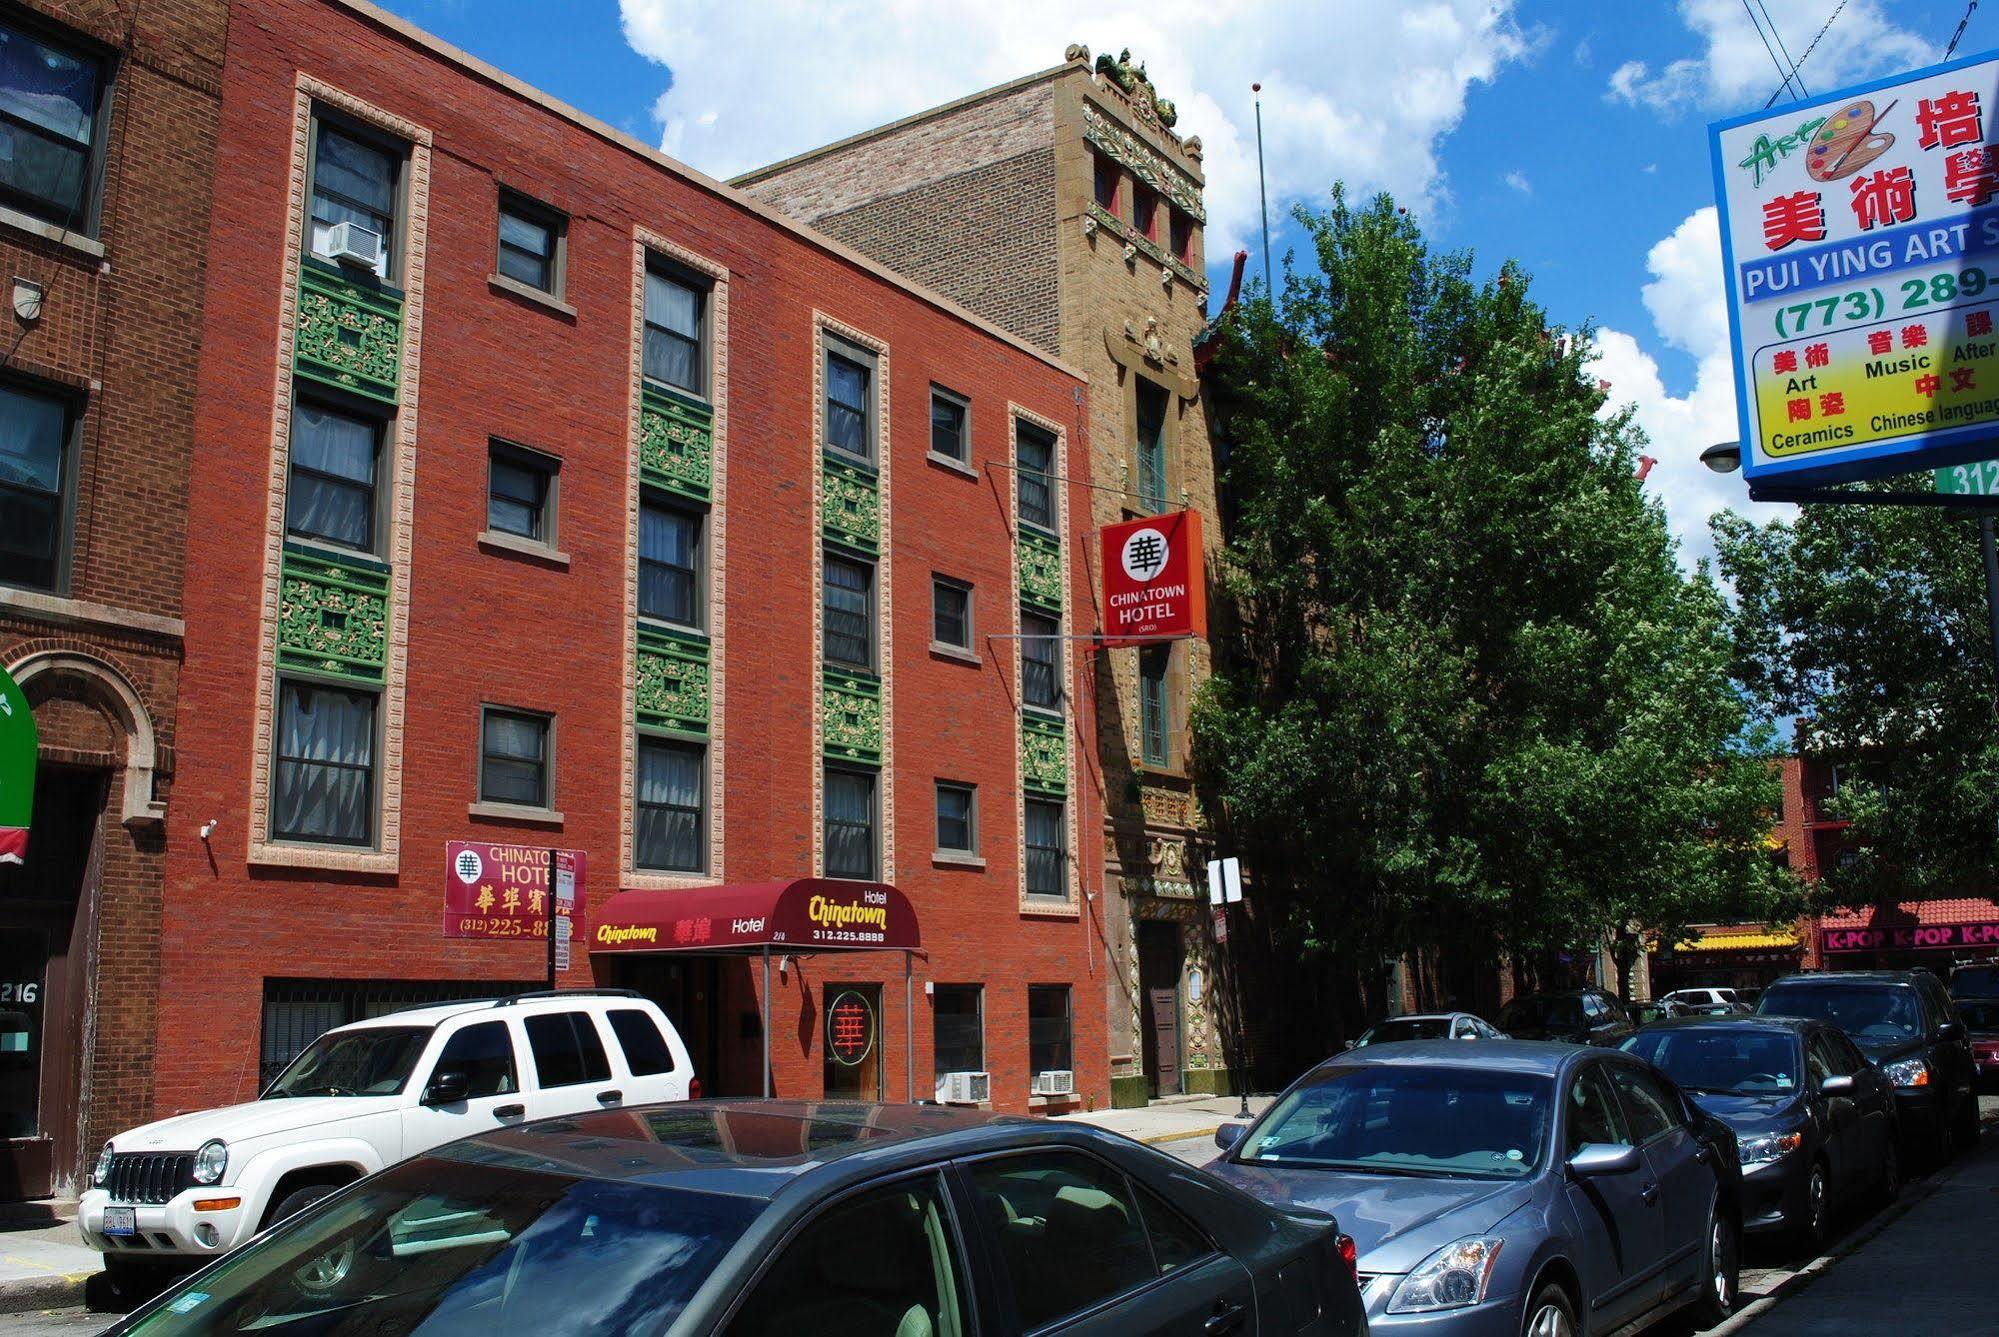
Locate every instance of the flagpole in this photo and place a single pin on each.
(1262, 194)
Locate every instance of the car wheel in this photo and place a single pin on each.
(1891, 1169)
(1812, 1230)
(1968, 1127)
(1550, 1314)
(296, 1201)
(1723, 1270)
(126, 1283)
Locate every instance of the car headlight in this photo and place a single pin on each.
(1769, 1147)
(102, 1174)
(1910, 1072)
(210, 1163)
(1451, 1278)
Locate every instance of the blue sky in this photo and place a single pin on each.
(1569, 135)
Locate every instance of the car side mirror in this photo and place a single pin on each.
(447, 1088)
(1348, 1045)
(1603, 1158)
(1841, 1085)
(1950, 1030)
(1229, 1134)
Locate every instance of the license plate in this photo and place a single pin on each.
(121, 1221)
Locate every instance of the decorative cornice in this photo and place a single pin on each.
(1144, 161)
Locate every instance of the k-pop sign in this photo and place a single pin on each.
(1155, 580)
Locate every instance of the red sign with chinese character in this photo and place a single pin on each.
(502, 891)
(850, 1029)
(1155, 579)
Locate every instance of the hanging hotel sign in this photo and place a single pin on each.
(18, 750)
(1860, 236)
(1155, 580)
(501, 891)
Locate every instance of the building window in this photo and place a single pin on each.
(1048, 1028)
(520, 492)
(1034, 461)
(674, 331)
(37, 476)
(1182, 237)
(1154, 727)
(354, 180)
(1047, 849)
(848, 613)
(1106, 183)
(331, 492)
(51, 106)
(324, 787)
(669, 564)
(958, 1013)
(1040, 661)
(950, 422)
(531, 243)
(957, 818)
(849, 385)
(1145, 211)
(850, 823)
(1152, 407)
(515, 757)
(672, 806)
(950, 613)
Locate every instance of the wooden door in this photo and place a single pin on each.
(1164, 1005)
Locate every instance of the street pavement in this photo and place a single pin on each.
(1174, 1120)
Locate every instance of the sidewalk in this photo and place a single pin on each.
(1173, 1118)
(43, 1262)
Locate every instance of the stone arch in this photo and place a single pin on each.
(115, 692)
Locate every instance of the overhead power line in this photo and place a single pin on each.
(1958, 36)
(1782, 73)
(1812, 46)
(1779, 39)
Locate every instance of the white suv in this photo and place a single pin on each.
(364, 1096)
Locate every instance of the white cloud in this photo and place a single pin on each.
(1734, 70)
(1518, 180)
(1353, 90)
(1689, 313)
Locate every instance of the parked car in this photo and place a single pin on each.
(1908, 1027)
(1814, 1120)
(1981, 1019)
(1580, 1016)
(1644, 1014)
(1427, 1026)
(774, 1218)
(189, 1188)
(1980, 981)
(1695, 999)
(1507, 1188)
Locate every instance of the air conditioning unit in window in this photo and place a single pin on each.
(355, 246)
(964, 1088)
(1059, 1082)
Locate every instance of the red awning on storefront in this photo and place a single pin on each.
(793, 917)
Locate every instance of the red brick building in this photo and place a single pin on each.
(108, 111)
(554, 495)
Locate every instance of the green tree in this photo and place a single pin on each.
(1868, 624)
(1464, 697)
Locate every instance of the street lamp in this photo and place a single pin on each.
(1724, 457)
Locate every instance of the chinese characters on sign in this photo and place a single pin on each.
(1155, 579)
(501, 891)
(850, 1029)
(1862, 248)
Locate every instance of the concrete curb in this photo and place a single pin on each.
(1157, 1138)
(55, 1291)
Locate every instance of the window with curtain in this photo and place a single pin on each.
(850, 824)
(50, 99)
(331, 493)
(1154, 728)
(323, 788)
(673, 332)
(1034, 461)
(514, 758)
(1047, 849)
(847, 622)
(1040, 661)
(354, 180)
(958, 1018)
(35, 481)
(1048, 1037)
(1151, 425)
(669, 564)
(848, 384)
(671, 806)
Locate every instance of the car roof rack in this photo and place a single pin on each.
(539, 994)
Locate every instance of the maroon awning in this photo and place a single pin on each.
(807, 914)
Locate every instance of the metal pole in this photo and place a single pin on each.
(1262, 195)
(1242, 1023)
(1991, 551)
(765, 1027)
(551, 920)
(908, 1032)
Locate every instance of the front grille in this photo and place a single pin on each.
(152, 1178)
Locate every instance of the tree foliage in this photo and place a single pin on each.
(1463, 694)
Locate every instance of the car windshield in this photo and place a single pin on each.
(1406, 1028)
(1721, 1061)
(1527, 1013)
(1981, 1016)
(1863, 1011)
(451, 1249)
(1975, 982)
(1394, 1120)
(373, 1061)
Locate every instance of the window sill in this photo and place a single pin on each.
(956, 859)
(59, 608)
(514, 812)
(956, 466)
(85, 247)
(941, 650)
(497, 541)
(529, 293)
(1054, 1102)
(337, 858)
(1156, 770)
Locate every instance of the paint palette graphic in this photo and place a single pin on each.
(1847, 141)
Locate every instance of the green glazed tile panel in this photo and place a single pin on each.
(350, 333)
(673, 680)
(1044, 754)
(676, 443)
(852, 509)
(333, 615)
(851, 709)
(1040, 570)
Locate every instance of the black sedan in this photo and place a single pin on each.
(1814, 1120)
(779, 1218)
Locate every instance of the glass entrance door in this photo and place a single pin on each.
(852, 1041)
